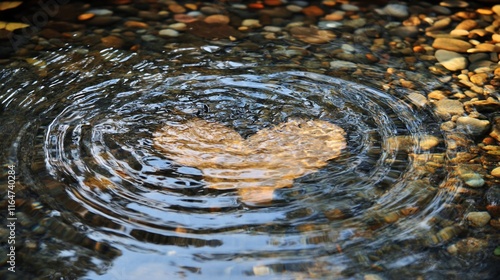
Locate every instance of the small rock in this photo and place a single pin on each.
(482, 66)
(450, 44)
(467, 246)
(103, 20)
(440, 24)
(469, 176)
(496, 9)
(355, 23)
(135, 24)
(451, 60)
(496, 172)
(478, 219)
(467, 24)
(112, 41)
(220, 19)
(395, 10)
(176, 8)
(339, 64)
(417, 99)
(313, 11)
(251, 23)
(473, 126)
(454, 4)
(445, 108)
(479, 79)
(179, 26)
(349, 8)
(168, 33)
(100, 12)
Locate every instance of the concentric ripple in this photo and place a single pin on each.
(96, 171)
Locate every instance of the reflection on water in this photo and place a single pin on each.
(115, 187)
(256, 166)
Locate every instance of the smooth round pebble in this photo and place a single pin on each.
(450, 60)
(478, 219)
(168, 33)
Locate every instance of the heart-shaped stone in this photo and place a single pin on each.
(256, 166)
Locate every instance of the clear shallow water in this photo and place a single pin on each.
(100, 197)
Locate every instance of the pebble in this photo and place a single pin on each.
(418, 99)
(395, 10)
(479, 79)
(496, 9)
(478, 219)
(467, 24)
(482, 66)
(168, 33)
(135, 24)
(496, 172)
(294, 8)
(454, 4)
(349, 8)
(112, 42)
(440, 24)
(473, 126)
(470, 177)
(100, 12)
(179, 26)
(451, 60)
(450, 44)
(251, 23)
(219, 19)
(467, 246)
(446, 108)
(339, 64)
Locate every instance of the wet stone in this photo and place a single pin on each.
(467, 246)
(470, 177)
(446, 108)
(404, 31)
(395, 10)
(454, 45)
(493, 200)
(472, 126)
(452, 61)
(478, 219)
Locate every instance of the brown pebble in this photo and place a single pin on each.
(371, 57)
(466, 15)
(313, 11)
(485, 47)
(334, 16)
(176, 8)
(219, 19)
(191, 6)
(467, 24)
(184, 18)
(455, 45)
(495, 38)
(135, 24)
(479, 79)
(112, 42)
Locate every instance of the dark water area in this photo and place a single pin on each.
(95, 198)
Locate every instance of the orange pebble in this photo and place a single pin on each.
(313, 11)
(418, 49)
(257, 5)
(272, 2)
(83, 17)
